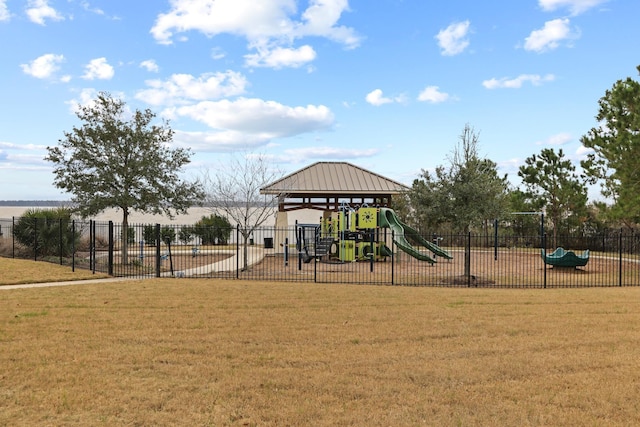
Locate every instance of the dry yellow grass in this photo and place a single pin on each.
(214, 352)
(17, 271)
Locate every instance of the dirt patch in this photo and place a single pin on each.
(504, 268)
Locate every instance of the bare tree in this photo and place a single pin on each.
(234, 192)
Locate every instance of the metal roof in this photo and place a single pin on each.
(336, 178)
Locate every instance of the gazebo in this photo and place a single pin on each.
(325, 186)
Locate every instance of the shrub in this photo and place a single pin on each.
(149, 234)
(47, 231)
(213, 230)
(186, 234)
(167, 234)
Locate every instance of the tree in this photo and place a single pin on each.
(117, 159)
(167, 234)
(234, 192)
(551, 182)
(185, 234)
(466, 194)
(525, 218)
(149, 234)
(616, 149)
(428, 198)
(213, 230)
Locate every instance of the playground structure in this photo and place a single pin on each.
(563, 258)
(350, 234)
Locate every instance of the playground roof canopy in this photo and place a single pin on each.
(324, 185)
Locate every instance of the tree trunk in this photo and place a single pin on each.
(245, 252)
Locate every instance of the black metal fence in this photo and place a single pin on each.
(301, 254)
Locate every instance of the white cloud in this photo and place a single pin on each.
(231, 140)
(320, 19)
(150, 65)
(22, 157)
(98, 68)
(86, 97)
(280, 57)
(375, 97)
(29, 147)
(217, 53)
(583, 151)
(300, 155)
(44, 66)
(267, 25)
(39, 10)
(258, 117)
(182, 88)
(550, 36)
(4, 11)
(576, 7)
(506, 83)
(453, 39)
(558, 139)
(89, 8)
(433, 95)
(219, 141)
(511, 167)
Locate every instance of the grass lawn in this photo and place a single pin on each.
(201, 352)
(15, 271)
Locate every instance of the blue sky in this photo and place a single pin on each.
(387, 85)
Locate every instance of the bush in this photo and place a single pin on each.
(47, 231)
(149, 235)
(167, 234)
(186, 234)
(213, 230)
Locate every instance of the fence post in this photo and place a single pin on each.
(237, 251)
(495, 239)
(157, 250)
(620, 258)
(60, 238)
(544, 264)
(467, 260)
(35, 239)
(93, 246)
(73, 245)
(373, 253)
(110, 258)
(315, 268)
(392, 258)
(13, 237)
(299, 243)
(286, 251)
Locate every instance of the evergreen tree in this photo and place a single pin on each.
(616, 149)
(117, 159)
(552, 184)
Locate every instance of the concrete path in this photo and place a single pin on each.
(255, 254)
(67, 283)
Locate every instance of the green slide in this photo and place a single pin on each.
(401, 231)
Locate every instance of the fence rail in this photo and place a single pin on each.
(296, 254)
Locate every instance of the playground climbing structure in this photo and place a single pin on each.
(350, 234)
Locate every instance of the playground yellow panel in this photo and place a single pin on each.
(367, 218)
